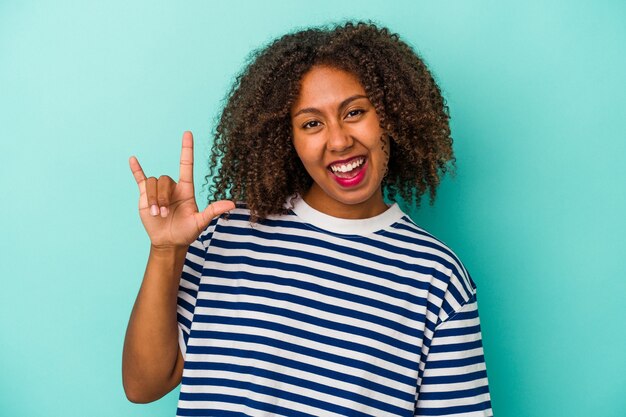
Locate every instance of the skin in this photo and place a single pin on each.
(333, 120)
(152, 364)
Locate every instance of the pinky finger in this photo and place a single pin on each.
(137, 171)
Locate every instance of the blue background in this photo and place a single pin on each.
(537, 211)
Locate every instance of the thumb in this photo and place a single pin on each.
(213, 210)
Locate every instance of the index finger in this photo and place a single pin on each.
(186, 158)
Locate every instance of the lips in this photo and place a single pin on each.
(347, 168)
(349, 172)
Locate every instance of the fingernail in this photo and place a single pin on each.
(164, 211)
(154, 210)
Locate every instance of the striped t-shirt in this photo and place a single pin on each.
(310, 315)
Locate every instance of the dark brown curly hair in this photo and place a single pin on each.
(253, 158)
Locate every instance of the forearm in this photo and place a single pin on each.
(151, 363)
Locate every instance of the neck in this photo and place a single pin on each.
(320, 201)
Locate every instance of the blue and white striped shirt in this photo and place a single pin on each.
(310, 315)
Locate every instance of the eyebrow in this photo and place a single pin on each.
(343, 104)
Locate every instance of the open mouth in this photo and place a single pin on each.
(347, 169)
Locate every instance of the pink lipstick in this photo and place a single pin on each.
(349, 173)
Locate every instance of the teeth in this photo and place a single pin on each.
(347, 167)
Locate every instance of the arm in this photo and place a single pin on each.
(151, 362)
(454, 380)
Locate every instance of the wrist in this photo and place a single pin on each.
(168, 250)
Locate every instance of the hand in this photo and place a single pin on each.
(168, 210)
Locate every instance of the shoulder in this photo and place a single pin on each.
(239, 213)
(240, 220)
(451, 280)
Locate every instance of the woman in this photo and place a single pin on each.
(312, 297)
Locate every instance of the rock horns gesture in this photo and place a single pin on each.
(168, 210)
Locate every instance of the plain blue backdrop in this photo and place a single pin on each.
(537, 96)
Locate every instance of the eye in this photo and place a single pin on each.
(354, 113)
(311, 124)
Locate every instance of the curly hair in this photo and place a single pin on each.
(253, 158)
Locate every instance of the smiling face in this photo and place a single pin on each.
(337, 135)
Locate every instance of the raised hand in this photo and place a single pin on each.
(168, 210)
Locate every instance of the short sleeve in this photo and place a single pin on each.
(454, 380)
(190, 283)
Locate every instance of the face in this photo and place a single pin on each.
(337, 135)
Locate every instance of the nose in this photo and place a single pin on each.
(338, 138)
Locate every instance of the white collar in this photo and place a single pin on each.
(346, 226)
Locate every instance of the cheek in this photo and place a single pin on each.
(386, 147)
(301, 151)
(298, 146)
(308, 149)
(305, 156)
(383, 152)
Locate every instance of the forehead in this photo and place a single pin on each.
(324, 86)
